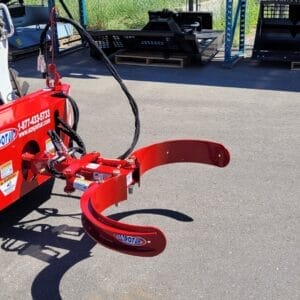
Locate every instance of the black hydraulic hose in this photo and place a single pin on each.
(116, 75)
(65, 7)
(88, 38)
(65, 128)
(43, 39)
(74, 108)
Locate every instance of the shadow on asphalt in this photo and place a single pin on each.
(245, 74)
(36, 238)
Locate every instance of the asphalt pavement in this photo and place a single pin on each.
(232, 233)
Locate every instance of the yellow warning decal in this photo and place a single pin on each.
(8, 185)
(6, 169)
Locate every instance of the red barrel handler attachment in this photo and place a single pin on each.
(134, 239)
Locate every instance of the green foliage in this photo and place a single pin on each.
(117, 14)
(252, 15)
(124, 14)
(132, 14)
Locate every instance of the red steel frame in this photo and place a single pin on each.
(24, 124)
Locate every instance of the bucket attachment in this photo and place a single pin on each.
(134, 239)
(278, 31)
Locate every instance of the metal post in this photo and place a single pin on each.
(51, 3)
(231, 24)
(228, 31)
(242, 27)
(82, 13)
(82, 16)
(191, 5)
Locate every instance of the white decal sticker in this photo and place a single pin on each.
(100, 176)
(49, 146)
(129, 179)
(92, 166)
(34, 123)
(6, 169)
(81, 184)
(131, 240)
(8, 185)
(7, 137)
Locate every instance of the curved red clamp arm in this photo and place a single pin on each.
(134, 239)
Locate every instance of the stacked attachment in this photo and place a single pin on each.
(278, 31)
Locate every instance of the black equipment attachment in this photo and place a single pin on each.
(278, 31)
(167, 32)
